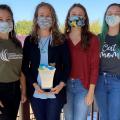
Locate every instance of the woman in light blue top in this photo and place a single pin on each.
(46, 47)
(43, 46)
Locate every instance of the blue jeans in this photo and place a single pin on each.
(107, 95)
(46, 109)
(76, 108)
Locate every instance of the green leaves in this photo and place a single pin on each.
(23, 27)
(95, 27)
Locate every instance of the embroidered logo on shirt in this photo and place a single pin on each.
(5, 56)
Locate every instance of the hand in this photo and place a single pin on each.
(58, 88)
(37, 89)
(89, 98)
(23, 98)
(1, 105)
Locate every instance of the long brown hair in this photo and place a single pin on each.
(56, 35)
(12, 34)
(85, 35)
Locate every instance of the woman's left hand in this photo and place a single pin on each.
(58, 88)
(23, 98)
(89, 98)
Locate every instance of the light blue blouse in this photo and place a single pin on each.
(43, 46)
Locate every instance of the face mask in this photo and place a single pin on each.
(6, 27)
(112, 20)
(44, 22)
(76, 21)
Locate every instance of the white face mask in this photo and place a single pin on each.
(6, 27)
(44, 22)
(112, 20)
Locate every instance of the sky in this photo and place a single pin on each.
(24, 9)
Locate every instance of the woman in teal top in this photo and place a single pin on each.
(10, 67)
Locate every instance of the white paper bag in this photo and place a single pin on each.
(46, 76)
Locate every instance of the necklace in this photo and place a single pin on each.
(42, 45)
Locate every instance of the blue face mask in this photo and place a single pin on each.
(76, 21)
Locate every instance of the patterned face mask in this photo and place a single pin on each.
(44, 22)
(6, 27)
(76, 21)
(112, 20)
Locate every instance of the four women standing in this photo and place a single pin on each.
(75, 57)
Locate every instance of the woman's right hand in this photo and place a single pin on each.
(1, 104)
(38, 89)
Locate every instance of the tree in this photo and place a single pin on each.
(62, 27)
(23, 27)
(95, 27)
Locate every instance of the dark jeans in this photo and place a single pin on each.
(10, 97)
(46, 109)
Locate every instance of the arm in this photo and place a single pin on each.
(95, 53)
(37, 88)
(90, 95)
(26, 61)
(94, 70)
(23, 88)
